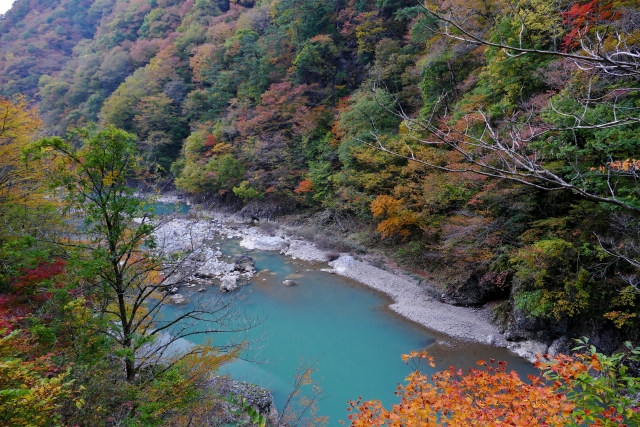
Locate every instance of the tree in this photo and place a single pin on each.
(121, 260)
(18, 123)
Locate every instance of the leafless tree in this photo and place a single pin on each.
(300, 408)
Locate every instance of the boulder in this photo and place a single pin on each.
(561, 345)
(244, 263)
(172, 279)
(199, 256)
(268, 243)
(343, 264)
(213, 268)
(177, 299)
(256, 396)
(229, 284)
(289, 283)
(491, 340)
(528, 349)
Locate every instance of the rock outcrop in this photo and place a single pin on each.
(256, 396)
(528, 349)
(203, 266)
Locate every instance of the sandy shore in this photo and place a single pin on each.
(412, 302)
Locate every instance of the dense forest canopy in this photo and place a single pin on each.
(301, 102)
(490, 147)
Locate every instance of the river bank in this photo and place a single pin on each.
(412, 299)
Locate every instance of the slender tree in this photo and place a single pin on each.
(123, 263)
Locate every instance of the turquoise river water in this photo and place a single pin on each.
(356, 340)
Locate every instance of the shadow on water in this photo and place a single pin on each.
(167, 208)
(346, 326)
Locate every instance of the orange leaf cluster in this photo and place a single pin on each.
(491, 397)
(305, 186)
(627, 165)
(399, 219)
(582, 17)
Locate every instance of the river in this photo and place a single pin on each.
(346, 328)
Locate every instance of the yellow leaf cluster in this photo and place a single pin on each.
(27, 398)
(18, 125)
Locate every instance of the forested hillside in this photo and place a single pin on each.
(489, 147)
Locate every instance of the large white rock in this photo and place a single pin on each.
(202, 254)
(177, 299)
(528, 349)
(229, 284)
(179, 235)
(264, 243)
(212, 268)
(561, 345)
(343, 264)
(299, 249)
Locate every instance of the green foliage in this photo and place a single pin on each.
(315, 61)
(96, 179)
(320, 174)
(246, 193)
(255, 417)
(367, 114)
(102, 167)
(410, 253)
(304, 20)
(505, 81)
(550, 266)
(219, 173)
(606, 394)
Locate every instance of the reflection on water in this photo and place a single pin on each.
(357, 340)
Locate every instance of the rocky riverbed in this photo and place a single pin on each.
(194, 242)
(194, 261)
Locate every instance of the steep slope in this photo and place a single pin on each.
(38, 37)
(283, 103)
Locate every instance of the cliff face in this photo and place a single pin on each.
(279, 106)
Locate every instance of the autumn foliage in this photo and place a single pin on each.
(582, 18)
(18, 123)
(570, 390)
(481, 397)
(396, 218)
(305, 186)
